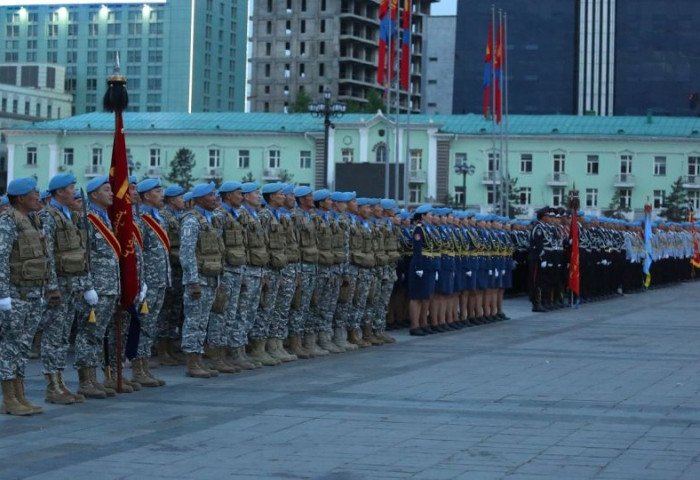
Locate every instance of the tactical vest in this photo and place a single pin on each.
(325, 242)
(361, 247)
(276, 243)
(338, 242)
(173, 229)
(69, 246)
(28, 264)
(258, 256)
(307, 240)
(378, 237)
(210, 248)
(391, 244)
(234, 240)
(291, 244)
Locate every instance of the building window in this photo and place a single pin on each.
(243, 158)
(626, 197)
(31, 156)
(305, 159)
(659, 196)
(558, 196)
(214, 158)
(154, 157)
(660, 166)
(347, 155)
(625, 164)
(694, 199)
(414, 193)
(68, 157)
(380, 154)
(459, 195)
(416, 160)
(526, 163)
(273, 158)
(559, 163)
(97, 156)
(591, 197)
(592, 164)
(490, 195)
(494, 162)
(525, 196)
(693, 166)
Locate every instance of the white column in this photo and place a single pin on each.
(10, 162)
(330, 172)
(53, 160)
(364, 144)
(432, 163)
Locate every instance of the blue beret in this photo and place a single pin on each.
(288, 189)
(61, 181)
(321, 195)
(373, 201)
(227, 187)
(96, 183)
(405, 215)
(133, 179)
(203, 189)
(302, 191)
(388, 203)
(362, 201)
(339, 197)
(249, 187)
(45, 194)
(272, 188)
(351, 195)
(4, 200)
(148, 185)
(21, 186)
(77, 195)
(187, 196)
(424, 208)
(174, 191)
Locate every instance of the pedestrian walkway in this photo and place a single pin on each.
(608, 391)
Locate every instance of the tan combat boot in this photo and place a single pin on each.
(139, 375)
(382, 335)
(368, 336)
(285, 356)
(355, 339)
(111, 383)
(296, 349)
(175, 352)
(85, 386)
(54, 393)
(259, 354)
(164, 357)
(149, 374)
(310, 345)
(19, 394)
(341, 342)
(205, 366)
(77, 398)
(217, 361)
(193, 367)
(324, 341)
(238, 359)
(10, 403)
(93, 378)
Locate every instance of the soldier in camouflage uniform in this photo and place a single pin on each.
(201, 257)
(68, 274)
(156, 272)
(388, 221)
(170, 319)
(23, 274)
(343, 220)
(104, 277)
(376, 280)
(362, 263)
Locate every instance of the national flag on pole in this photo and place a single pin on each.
(498, 61)
(120, 215)
(406, 46)
(646, 268)
(574, 262)
(488, 71)
(695, 261)
(387, 32)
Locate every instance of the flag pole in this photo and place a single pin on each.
(407, 154)
(493, 101)
(504, 81)
(499, 110)
(397, 111)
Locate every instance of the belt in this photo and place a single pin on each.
(431, 254)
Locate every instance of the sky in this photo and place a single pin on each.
(444, 7)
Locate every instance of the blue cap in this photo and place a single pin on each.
(351, 195)
(77, 195)
(187, 196)
(373, 201)
(388, 203)
(133, 179)
(96, 183)
(173, 191)
(44, 195)
(425, 208)
(288, 189)
(148, 185)
(61, 181)
(272, 188)
(4, 200)
(203, 189)
(322, 194)
(339, 197)
(302, 191)
(228, 187)
(21, 186)
(249, 187)
(362, 201)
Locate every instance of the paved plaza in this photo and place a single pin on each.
(608, 391)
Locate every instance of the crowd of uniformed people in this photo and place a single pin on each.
(244, 276)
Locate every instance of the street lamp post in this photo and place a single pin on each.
(464, 169)
(326, 110)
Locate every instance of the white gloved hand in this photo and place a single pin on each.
(5, 304)
(469, 274)
(142, 293)
(419, 273)
(436, 276)
(91, 297)
(503, 272)
(495, 272)
(543, 264)
(490, 272)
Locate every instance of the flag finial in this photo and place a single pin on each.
(116, 98)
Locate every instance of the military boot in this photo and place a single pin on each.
(276, 350)
(193, 367)
(259, 354)
(164, 357)
(381, 334)
(217, 361)
(93, 378)
(295, 348)
(310, 345)
(10, 403)
(77, 398)
(54, 394)
(355, 339)
(19, 394)
(341, 342)
(283, 351)
(240, 360)
(85, 386)
(112, 384)
(139, 375)
(204, 366)
(324, 341)
(368, 336)
(147, 370)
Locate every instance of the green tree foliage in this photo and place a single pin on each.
(617, 208)
(181, 169)
(301, 103)
(676, 203)
(248, 177)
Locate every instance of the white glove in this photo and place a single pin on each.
(5, 304)
(436, 276)
(419, 273)
(469, 274)
(503, 272)
(495, 272)
(490, 272)
(142, 293)
(91, 297)
(543, 264)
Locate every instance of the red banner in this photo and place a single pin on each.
(406, 46)
(574, 263)
(696, 253)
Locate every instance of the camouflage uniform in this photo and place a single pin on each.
(201, 257)
(327, 286)
(348, 276)
(362, 257)
(279, 328)
(388, 273)
(23, 286)
(270, 221)
(170, 319)
(299, 320)
(68, 273)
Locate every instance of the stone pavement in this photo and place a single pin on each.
(608, 391)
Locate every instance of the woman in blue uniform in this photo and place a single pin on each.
(421, 270)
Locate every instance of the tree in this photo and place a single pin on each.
(181, 169)
(248, 177)
(514, 207)
(618, 208)
(375, 102)
(301, 103)
(285, 176)
(676, 203)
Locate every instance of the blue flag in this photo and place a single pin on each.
(647, 249)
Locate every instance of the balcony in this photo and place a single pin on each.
(691, 182)
(417, 176)
(491, 178)
(154, 172)
(272, 174)
(94, 171)
(213, 172)
(558, 179)
(624, 180)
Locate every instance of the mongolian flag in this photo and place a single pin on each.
(387, 32)
(498, 62)
(488, 72)
(406, 46)
(574, 263)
